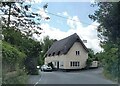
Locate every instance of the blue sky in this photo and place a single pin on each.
(80, 9)
(74, 20)
(72, 17)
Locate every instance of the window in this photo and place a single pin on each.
(46, 55)
(77, 52)
(53, 53)
(74, 64)
(58, 53)
(61, 64)
(49, 55)
(71, 63)
(55, 63)
(78, 64)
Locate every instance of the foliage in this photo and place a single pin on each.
(110, 60)
(46, 44)
(15, 77)
(91, 58)
(21, 16)
(12, 56)
(108, 17)
(24, 44)
(12, 65)
(88, 62)
(108, 31)
(92, 55)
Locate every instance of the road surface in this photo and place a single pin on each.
(92, 76)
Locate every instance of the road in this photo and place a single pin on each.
(92, 76)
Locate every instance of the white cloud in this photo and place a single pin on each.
(58, 13)
(74, 22)
(65, 13)
(88, 33)
(37, 1)
(33, 1)
(43, 13)
(54, 33)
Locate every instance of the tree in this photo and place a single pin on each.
(20, 16)
(19, 23)
(28, 46)
(108, 17)
(13, 68)
(91, 57)
(46, 44)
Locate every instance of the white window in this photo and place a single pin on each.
(55, 63)
(77, 52)
(61, 64)
(74, 64)
(78, 64)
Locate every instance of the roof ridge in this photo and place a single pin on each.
(59, 46)
(68, 36)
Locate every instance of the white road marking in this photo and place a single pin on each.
(38, 81)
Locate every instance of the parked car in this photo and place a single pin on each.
(46, 68)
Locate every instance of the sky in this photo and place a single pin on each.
(67, 18)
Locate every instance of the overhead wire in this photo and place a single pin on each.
(62, 17)
(65, 17)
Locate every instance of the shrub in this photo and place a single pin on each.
(88, 62)
(15, 77)
(12, 65)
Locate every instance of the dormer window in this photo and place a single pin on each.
(45, 55)
(58, 53)
(78, 39)
(49, 55)
(53, 53)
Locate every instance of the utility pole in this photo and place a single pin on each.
(9, 13)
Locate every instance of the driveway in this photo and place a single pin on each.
(92, 76)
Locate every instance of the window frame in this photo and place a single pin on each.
(74, 63)
(77, 53)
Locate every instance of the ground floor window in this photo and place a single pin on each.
(74, 63)
(61, 64)
(55, 63)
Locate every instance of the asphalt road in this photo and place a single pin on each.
(92, 76)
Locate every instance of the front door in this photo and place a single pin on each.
(58, 65)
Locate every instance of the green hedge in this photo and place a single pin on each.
(11, 54)
(13, 71)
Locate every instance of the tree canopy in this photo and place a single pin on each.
(45, 45)
(108, 16)
(22, 16)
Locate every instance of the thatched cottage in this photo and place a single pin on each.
(68, 53)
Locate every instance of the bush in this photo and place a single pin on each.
(11, 55)
(12, 65)
(31, 66)
(88, 62)
(15, 77)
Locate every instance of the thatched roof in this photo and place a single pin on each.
(63, 46)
